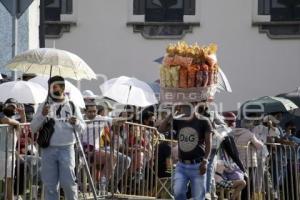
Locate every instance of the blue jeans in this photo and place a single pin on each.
(185, 173)
(58, 168)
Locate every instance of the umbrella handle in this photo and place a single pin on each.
(47, 101)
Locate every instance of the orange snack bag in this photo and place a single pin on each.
(182, 61)
(192, 72)
(183, 77)
(210, 76)
(168, 61)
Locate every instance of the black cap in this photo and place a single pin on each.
(11, 101)
(60, 80)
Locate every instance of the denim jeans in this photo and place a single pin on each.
(185, 173)
(123, 163)
(58, 168)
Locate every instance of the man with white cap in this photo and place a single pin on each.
(89, 97)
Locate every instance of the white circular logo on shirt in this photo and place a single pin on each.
(188, 139)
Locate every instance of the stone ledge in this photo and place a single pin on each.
(163, 30)
(56, 29)
(280, 29)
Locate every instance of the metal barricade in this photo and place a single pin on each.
(274, 175)
(138, 143)
(20, 163)
(121, 159)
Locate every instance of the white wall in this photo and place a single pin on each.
(254, 64)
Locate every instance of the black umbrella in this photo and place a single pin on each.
(294, 96)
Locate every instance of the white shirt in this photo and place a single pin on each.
(93, 131)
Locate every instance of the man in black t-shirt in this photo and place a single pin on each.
(194, 145)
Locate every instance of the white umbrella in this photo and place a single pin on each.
(71, 91)
(45, 60)
(129, 91)
(223, 82)
(23, 92)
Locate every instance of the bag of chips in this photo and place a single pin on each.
(183, 77)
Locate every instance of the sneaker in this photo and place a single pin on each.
(207, 196)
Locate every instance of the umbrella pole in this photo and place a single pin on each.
(47, 101)
(127, 101)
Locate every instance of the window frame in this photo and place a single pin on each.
(140, 18)
(285, 28)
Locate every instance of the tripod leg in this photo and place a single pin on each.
(86, 167)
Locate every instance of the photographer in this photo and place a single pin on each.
(58, 159)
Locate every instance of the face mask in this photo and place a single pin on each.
(56, 95)
(8, 112)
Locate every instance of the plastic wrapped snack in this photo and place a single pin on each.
(199, 77)
(210, 54)
(168, 77)
(216, 74)
(162, 71)
(183, 77)
(175, 76)
(192, 72)
(183, 61)
(171, 50)
(211, 73)
(211, 60)
(205, 75)
(168, 60)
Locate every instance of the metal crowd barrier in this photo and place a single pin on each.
(20, 163)
(273, 176)
(121, 158)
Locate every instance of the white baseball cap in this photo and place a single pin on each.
(88, 94)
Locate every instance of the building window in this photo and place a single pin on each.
(163, 18)
(55, 8)
(264, 7)
(278, 18)
(280, 10)
(164, 11)
(59, 17)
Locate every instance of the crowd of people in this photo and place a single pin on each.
(206, 149)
